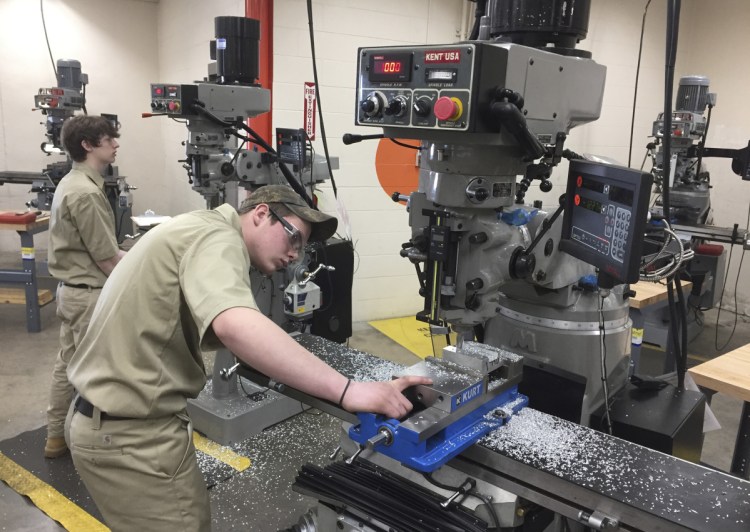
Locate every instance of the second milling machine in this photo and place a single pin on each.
(526, 290)
(231, 409)
(57, 104)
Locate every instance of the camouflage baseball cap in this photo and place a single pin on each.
(323, 226)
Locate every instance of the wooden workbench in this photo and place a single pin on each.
(730, 375)
(30, 294)
(647, 294)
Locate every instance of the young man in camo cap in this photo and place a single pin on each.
(184, 288)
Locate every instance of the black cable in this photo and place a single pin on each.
(298, 188)
(603, 354)
(673, 28)
(405, 145)
(683, 323)
(46, 37)
(255, 396)
(673, 323)
(237, 153)
(312, 164)
(703, 142)
(317, 97)
(83, 102)
(637, 75)
(488, 503)
(723, 288)
(119, 223)
(736, 313)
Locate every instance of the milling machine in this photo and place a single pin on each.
(231, 409)
(520, 281)
(58, 104)
(690, 189)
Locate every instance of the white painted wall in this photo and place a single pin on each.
(115, 41)
(126, 44)
(714, 40)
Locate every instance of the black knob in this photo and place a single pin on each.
(394, 107)
(421, 108)
(478, 238)
(227, 169)
(482, 194)
(475, 284)
(368, 106)
(521, 264)
(538, 204)
(545, 186)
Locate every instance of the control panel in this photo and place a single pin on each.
(605, 217)
(291, 147)
(173, 99)
(425, 87)
(436, 92)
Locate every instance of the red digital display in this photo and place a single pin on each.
(387, 67)
(390, 67)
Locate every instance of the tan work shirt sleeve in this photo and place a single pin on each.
(92, 217)
(215, 276)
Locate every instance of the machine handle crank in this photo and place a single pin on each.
(335, 453)
(309, 276)
(598, 521)
(383, 436)
(228, 372)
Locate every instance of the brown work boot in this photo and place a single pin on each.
(55, 447)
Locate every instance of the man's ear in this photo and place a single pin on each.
(87, 146)
(260, 213)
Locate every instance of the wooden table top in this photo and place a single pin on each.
(41, 222)
(728, 373)
(649, 293)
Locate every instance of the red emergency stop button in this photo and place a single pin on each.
(447, 108)
(174, 106)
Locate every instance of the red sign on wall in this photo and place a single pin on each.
(310, 107)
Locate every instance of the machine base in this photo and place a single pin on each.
(667, 420)
(237, 417)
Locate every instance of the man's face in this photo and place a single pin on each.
(276, 243)
(103, 154)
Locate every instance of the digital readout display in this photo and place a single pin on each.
(590, 204)
(623, 196)
(591, 184)
(390, 67)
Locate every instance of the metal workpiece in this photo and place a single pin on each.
(485, 358)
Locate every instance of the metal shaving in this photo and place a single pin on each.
(613, 467)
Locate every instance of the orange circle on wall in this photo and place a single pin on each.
(396, 166)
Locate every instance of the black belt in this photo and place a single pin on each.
(84, 286)
(87, 409)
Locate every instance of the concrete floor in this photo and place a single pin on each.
(27, 360)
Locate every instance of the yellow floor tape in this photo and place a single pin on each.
(412, 334)
(46, 498)
(221, 453)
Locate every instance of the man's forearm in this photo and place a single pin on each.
(259, 342)
(109, 264)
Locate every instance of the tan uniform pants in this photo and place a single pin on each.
(142, 473)
(74, 308)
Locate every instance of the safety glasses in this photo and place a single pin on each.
(294, 234)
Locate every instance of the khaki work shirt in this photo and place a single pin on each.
(141, 356)
(81, 228)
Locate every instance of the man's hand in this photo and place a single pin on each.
(382, 397)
